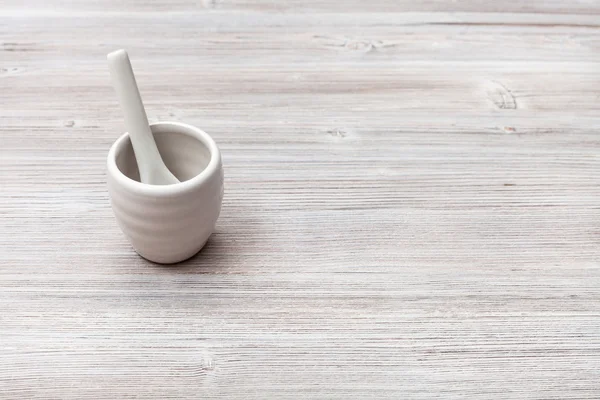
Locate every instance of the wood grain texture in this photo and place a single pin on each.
(412, 202)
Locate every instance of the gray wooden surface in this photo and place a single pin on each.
(412, 203)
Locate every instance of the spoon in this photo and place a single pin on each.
(152, 168)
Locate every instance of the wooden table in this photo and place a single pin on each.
(412, 204)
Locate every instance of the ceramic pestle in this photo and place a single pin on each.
(151, 166)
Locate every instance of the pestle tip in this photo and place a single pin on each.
(116, 55)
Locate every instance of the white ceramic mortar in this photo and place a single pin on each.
(168, 223)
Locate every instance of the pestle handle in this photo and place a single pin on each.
(150, 164)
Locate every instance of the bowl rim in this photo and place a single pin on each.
(166, 190)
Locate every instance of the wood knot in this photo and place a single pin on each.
(501, 96)
(363, 46)
(337, 133)
(209, 3)
(198, 367)
(349, 44)
(5, 70)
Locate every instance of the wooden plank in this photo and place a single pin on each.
(411, 205)
(583, 7)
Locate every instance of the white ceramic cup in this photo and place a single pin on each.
(168, 223)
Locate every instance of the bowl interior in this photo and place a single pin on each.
(183, 153)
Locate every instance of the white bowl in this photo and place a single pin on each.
(168, 223)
